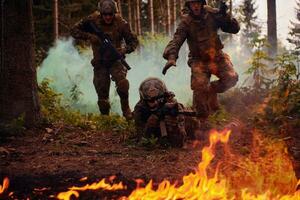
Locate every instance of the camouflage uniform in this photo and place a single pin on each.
(105, 71)
(294, 150)
(149, 123)
(206, 56)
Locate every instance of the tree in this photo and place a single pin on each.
(272, 27)
(55, 19)
(248, 18)
(120, 7)
(168, 18)
(294, 34)
(18, 84)
(130, 14)
(151, 18)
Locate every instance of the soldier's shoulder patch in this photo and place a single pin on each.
(211, 9)
(186, 18)
(94, 15)
(120, 20)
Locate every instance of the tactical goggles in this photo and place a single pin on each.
(154, 99)
(107, 14)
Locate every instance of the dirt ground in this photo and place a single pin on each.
(43, 162)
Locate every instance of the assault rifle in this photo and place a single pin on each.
(106, 46)
(170, 110)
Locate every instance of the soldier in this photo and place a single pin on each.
(121, 37)
(199, 26)
(157, 113)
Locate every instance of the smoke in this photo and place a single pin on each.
(71, 71)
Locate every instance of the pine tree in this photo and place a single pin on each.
(294, 37)
(248, 18)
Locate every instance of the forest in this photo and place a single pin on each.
(55, 144)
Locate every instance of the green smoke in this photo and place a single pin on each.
(72, 74)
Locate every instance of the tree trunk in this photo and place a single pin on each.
(174, 15)
(151, 16)
(168, 18)
(181, 4)
(272, 27)
(120, 7)
(135, 17)
(130, 14)
(18, 84)
(138, 17)
(230, 7)
(55, 20)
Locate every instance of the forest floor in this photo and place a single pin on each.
(43, 162)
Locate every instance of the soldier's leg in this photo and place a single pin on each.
(176, 130)
(118, 73)
(223, 69)
(200, 86)
(294, 150)
(102, 84)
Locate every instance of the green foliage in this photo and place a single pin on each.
(258, 67)
(221, 117)
(15, 127)
(294, 33)
(285, 96)
(54, 111)
(248, 18)
(151, 142)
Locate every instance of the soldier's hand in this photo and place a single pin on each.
(152, 121)
(171, 121)
(170, 63)
(223, 8)
(122, 51)
(94, 39)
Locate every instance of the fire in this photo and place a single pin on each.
(95, 186)
(4, 186)
(196, 185)
(265, 174)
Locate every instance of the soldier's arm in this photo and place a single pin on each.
(139, 121)
(79, 32)
(173, 47)
(130, 38)
(227, 23)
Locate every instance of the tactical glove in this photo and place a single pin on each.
(170, 63)
(94, 39)
(122, 51)
(223, 8)
(152, 122)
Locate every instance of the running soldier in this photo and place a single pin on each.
(105, 70)
(199, 26)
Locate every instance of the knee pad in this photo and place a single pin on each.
(122, 86)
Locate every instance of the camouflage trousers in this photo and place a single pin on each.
(294, 150)
(205, 91)
(102, 79)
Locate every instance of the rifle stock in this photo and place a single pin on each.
(107, 45)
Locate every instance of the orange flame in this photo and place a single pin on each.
(4, 186)
(195, 185)
(95, 186)
(199, 186)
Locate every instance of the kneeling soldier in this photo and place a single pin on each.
(158, 113)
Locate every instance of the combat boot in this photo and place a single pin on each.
(213, 102)
(126, 109)
(104, 106)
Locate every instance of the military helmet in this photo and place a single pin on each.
(107, 6)
(201, 1)
(152, 88)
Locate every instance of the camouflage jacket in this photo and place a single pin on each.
(142, 112)
(201, 34)
(119, 33)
